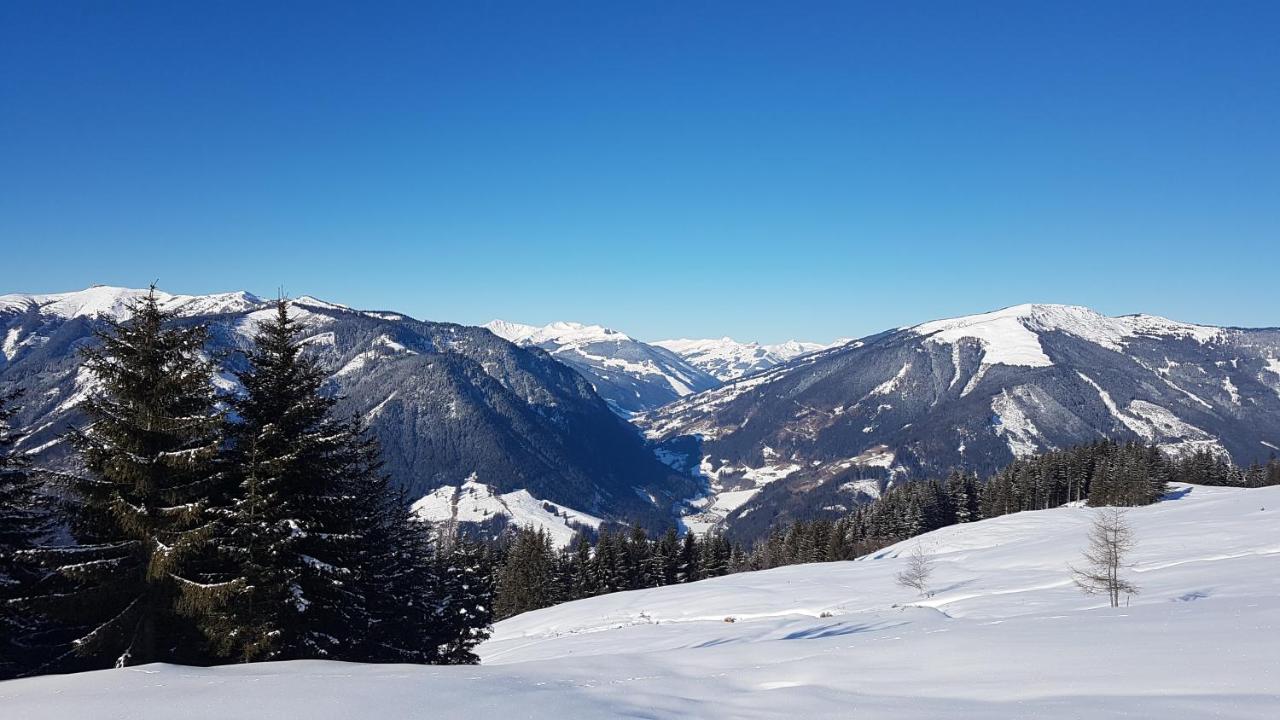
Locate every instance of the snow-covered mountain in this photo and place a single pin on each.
(449, 403)
(727, 359)
(106, 301)
(1005, 636)
(972, 392)
(630, 375)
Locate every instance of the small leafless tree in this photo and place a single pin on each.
(1110, 542)
(919, 569)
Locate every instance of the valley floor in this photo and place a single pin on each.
(1006, 635)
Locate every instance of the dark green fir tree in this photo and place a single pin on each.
(24, 522)
(142, 505)
(290, 542)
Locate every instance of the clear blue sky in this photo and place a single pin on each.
(764, 170)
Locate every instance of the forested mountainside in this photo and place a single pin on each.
(631, 376)
(974, 393)
(448, 402)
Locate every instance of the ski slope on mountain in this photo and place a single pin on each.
(1006, 635)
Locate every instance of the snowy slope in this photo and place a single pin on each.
(112, 302)
(475, 502)
(1012, 336)
(630, 375)
(728, 359)
(1006, 636)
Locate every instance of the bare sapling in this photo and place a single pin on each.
(917, 572)
(1111, 540)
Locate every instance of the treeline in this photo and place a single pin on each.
(209, 529)
(1104, 473)
(1205, 468)
(532, 574)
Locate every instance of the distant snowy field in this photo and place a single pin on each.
(1006, 636)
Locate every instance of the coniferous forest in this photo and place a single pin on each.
(209, 528)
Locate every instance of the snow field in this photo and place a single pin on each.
(1005, 635)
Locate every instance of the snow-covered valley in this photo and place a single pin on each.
(1006, 635)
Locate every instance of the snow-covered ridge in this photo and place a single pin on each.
(113, 302)
(476, 502)
(560, 333)
(1011, 336)
(728, 359)
(630, 375)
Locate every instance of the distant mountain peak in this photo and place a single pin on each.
(113, 302)
(973, 392)
(559, 332)
(728, 359)
(1010, 336)
(630, 375)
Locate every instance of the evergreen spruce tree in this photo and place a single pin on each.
(838, 544)
(638, 558)
(958, 492)
(667, 557)
(688, 568)
(525, 580)
(143, 505)
(584, 575)
(715, 556)
(424, 601)
(307, 491)
(610, 562)
(463, 602)
(395, 585)
(24, 521)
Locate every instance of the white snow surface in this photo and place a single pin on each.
(1005, 636)
(10, 347)
(1010, 336)
(559, 333)
(566, 340)
(474, 501)
(1273, 367)
(727, 359)
(113, 302)
(710, 510)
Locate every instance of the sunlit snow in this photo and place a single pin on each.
(1005, 636)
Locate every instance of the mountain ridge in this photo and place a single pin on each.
(632, 376)
(448, 402)
(727, 359)
(974, 392)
